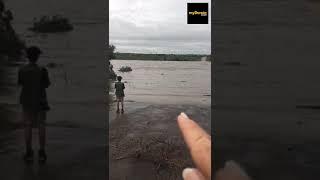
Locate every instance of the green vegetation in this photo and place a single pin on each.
(160, 57)
(125, 69)
(111, 51)
(110, 55)
(10, 44)
(111, 75)
(51, 24)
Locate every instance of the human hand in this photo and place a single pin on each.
(199, 144)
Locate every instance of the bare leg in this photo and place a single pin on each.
(118, 101)
(42, 129)
(122, 103)
(27, 118)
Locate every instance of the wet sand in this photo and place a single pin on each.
(131, 134)
(257, 122)
(72, 154)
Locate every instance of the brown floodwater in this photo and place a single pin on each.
(166, 82)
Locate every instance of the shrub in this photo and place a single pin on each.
(125, 69)
(51, 24)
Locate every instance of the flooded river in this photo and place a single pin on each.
(163, 82)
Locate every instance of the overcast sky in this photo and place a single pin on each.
(157, 26)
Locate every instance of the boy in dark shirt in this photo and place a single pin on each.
(119, 86)
(34, 80)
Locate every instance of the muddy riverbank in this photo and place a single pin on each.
(146, 143)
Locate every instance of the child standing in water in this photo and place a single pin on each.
(119, 86)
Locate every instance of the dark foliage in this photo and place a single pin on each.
(10, 44)
(51, 24)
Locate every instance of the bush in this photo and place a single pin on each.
(51, 24)
(11, 45)
(125, 69)
(111, 52)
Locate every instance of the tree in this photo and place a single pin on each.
(111, 52)
(10, 44)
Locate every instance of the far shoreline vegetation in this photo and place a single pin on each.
(161, 57)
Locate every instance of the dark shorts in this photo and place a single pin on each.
(44, 106)
(34, 118)
(120, 94)
(119, 98)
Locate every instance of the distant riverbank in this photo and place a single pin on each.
(162, 57)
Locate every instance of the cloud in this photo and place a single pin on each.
(123, 29)
(155, 22)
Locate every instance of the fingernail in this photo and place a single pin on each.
(182, 114)
(190, 173)
(187, 172)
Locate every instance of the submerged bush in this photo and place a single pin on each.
(51, 24)
(125, 69)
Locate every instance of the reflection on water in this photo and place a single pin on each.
(166, 81)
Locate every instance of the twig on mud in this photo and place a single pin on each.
(123, 157)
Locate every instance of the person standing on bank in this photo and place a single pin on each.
(34, 80)
(119, 86)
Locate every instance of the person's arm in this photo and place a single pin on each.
(199, 145)
(46, 79)
(123, 86)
